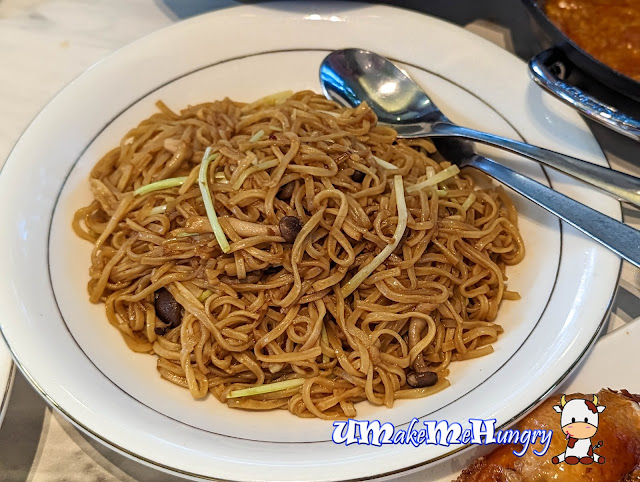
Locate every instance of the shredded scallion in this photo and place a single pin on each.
(158, 210)
(208, 200)
(267, 388)
(385, 164)
(257, 136)
(204, 295)
(443, 175)
(468, 202)
(158, 185)
(364, 273)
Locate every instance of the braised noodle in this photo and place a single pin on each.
(279, 314)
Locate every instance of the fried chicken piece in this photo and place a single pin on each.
(618, 429)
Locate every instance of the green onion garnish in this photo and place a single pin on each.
(257, 136)
(204, 295)
(364, 273)
(468, 202)
(385, 164)
(208, 200)
(158, 185)
(158, 210)
(267, 388)
(447, 173)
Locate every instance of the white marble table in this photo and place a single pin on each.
(46, 43)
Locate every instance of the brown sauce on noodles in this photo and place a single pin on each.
(267, 310)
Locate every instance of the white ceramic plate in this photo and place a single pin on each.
(81, 365)
(6, 378)
(613, 363)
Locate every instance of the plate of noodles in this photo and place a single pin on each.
(207, 263)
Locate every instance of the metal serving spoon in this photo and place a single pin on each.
(351, 76)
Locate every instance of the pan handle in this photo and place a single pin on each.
(587, 105)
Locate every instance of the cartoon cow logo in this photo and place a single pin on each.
(579, 421)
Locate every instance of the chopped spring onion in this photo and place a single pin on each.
(442, 192)
(447, 173)
(468, 202)
(158, 210)
(208, 200)
(253, 169)
(158, 185)
(364, 273)
(204, 295)
(257, 136)
(268, 388)
(385, 164)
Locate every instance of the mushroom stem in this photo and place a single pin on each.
(245, 229)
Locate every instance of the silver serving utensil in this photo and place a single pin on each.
(344, 77)
(351, 76)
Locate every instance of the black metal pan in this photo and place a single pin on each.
(571, 74)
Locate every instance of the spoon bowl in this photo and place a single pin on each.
(351, 76)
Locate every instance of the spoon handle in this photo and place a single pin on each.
(621, 185)
(618, 237)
